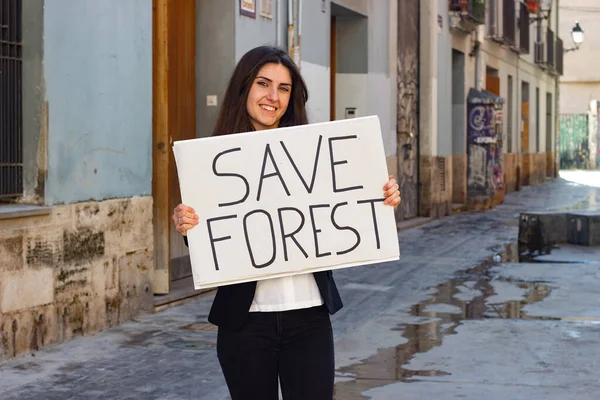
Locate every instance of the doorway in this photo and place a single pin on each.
(174, 118)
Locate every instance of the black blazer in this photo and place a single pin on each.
(232, 302)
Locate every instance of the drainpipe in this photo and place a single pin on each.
(298, 34)
(279, 36)
(290, 24)
(479, 34)
(556, 108)
(293, 22)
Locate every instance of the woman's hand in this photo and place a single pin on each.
(391, 193)
(184, 218)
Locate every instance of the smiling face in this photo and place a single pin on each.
(269, 96)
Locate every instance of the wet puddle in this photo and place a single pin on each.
(474, 295)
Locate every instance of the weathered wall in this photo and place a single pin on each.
(521, 164)
(581, 80)
(84, 267)
(35, 121)
(98, 76)
(436, 186)
(511, 172)
(444, 89)
(405, 41)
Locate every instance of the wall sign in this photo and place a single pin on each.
(266, 9)
(248, 8)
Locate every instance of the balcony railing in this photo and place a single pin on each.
(471, 10)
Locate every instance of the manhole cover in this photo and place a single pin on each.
(191, 345)
(201, 326)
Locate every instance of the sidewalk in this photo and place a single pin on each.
(171, 354)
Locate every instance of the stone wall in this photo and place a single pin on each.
(459, 178)
(511, 172)
(82, 268)
(435, 186)
(525, 169)
(537, 175)
(551, 169)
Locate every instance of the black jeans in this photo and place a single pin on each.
(296, 346)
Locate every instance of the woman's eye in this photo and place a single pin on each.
(262, 83)
(284, 88)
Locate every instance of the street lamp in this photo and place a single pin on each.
(577, 35)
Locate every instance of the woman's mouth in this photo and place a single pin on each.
(267, 108)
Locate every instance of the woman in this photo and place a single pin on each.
(275, 328)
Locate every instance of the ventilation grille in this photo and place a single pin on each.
(441, 161)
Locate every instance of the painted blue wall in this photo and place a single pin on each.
(98, 76)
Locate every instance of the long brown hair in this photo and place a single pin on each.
(233, 115)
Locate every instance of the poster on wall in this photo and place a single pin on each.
(248, 8)
(286, 201)
(266, 9)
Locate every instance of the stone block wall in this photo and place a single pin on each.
(551, 169)
(80, 269)
(459, 178)
(435, 186)
(525, 169)
(511, 172)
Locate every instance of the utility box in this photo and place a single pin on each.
(584, 228)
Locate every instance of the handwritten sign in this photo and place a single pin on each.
(286, 201)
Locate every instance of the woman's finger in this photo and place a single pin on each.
(391, 191)
(389, 184)
(184, 228)
(391, 200)
(187, 221)
(183, 208)
(187, 214)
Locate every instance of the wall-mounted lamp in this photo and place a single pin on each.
(577, 35)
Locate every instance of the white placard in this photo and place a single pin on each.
(286, 201)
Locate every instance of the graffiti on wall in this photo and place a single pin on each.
(407, 109)
(573, 141)
(484, 136)
(477, 166)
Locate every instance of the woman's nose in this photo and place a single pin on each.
(273, 94)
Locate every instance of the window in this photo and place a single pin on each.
(11, 108)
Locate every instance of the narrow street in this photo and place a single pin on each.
(449, 320)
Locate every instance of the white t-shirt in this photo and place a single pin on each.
(288, 293)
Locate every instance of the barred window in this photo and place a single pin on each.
(11, 107)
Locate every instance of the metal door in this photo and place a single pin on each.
(573, 141)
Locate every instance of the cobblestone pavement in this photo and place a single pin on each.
(171, 354)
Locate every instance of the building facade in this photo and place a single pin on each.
(504, 50)
(89, 182)
(580, 87)
(76, 241)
